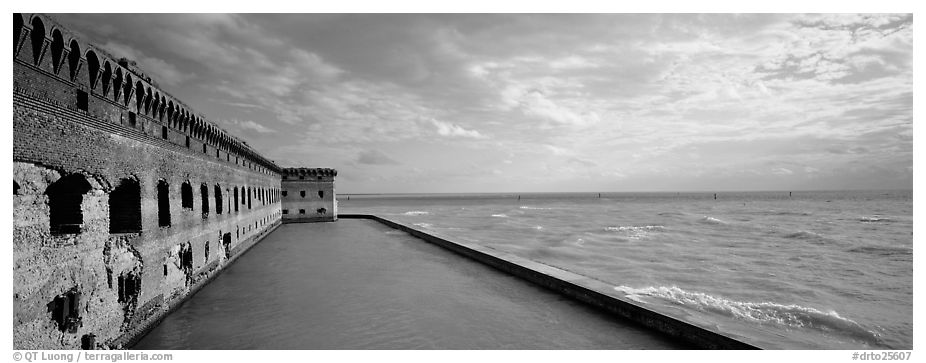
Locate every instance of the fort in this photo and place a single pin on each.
(125, 200)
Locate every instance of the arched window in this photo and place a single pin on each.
(236, 198)
(321, 194)
(243, 200)
(139, 97)
(64, 201)
(204, 196)
(163, 204)
(249, 197)
(107, 77)
(74, 59)
(38, 39)
(117, 84)
(218, 199)
(148, 101)
(125, 207)
(93, 68)
(127, 91)
(17, 29)
(57, 48)
(302, 193)
(186, 196)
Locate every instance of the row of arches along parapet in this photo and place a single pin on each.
(114, 81)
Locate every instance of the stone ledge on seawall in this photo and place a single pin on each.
(577, 287)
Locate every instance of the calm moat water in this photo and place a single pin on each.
(357, 284)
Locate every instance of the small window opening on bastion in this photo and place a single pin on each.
(65, 311)
(186, 196)
(321, 193)
(302, 193)
(302, 211)
(64, 201)
(125, 207)
(319, 178)
(321, 211)
(163, 204)
(284, 193)
(286, 211)
(83, 101)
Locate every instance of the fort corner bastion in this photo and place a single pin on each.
(125, 200)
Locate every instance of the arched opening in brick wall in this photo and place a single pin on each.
(204, 197)
(236, 198)
(127, 90)
(186, 196)
(148, 101)
(57, 48)
(139, 97)
(38, 39)
(17, 29)
(218, 199)
(117, 84)
(73, 59)
(93, 68)
(163, 204)
(125, 207)
(65, 197)
(15, 188)
(107, 77)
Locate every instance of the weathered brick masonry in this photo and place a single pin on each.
(308, 195)
(125, 200)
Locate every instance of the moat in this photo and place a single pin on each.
(357, 284)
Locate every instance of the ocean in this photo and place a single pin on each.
(792, 270)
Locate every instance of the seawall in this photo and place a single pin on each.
(580, 288)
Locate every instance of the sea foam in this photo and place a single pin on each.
(790, 316)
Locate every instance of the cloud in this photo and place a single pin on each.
(159, 70)
(454, 130)
(248, 125)
(375, 157)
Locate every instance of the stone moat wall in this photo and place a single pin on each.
(124, 199)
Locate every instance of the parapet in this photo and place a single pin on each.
(301, 173)
(86, 73)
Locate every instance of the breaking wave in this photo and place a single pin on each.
(874, 219)
(500, 216)
(415, 213)
(634, 232)
(791, 316)
(711, 220)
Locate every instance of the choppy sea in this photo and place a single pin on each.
(798, 270)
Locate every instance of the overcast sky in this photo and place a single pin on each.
(504, 103)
